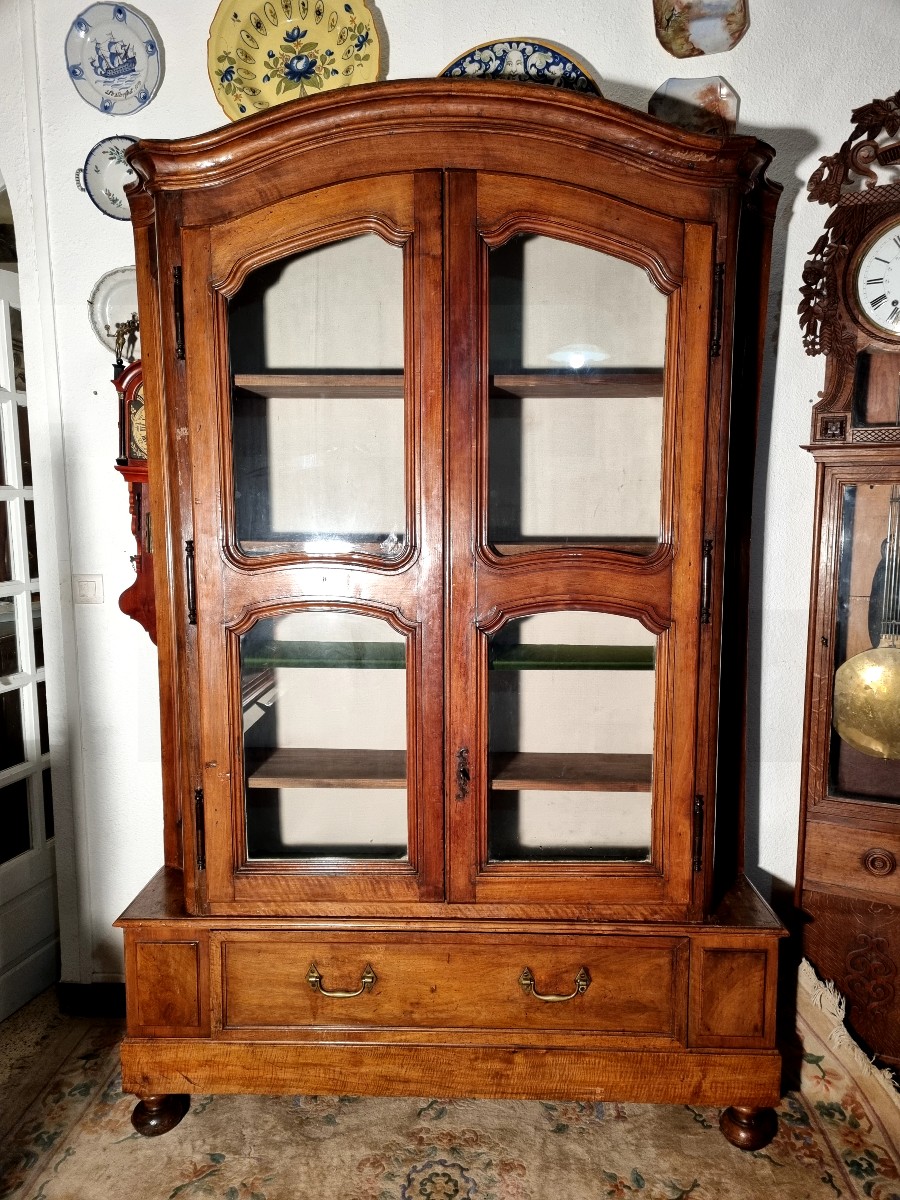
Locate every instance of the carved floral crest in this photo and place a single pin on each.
(836, 182)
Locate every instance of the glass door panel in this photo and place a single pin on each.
(865, 742)
(324, 718)
(577, 349)
(316, 344)
(571, 718)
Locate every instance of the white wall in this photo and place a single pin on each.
(799, 71)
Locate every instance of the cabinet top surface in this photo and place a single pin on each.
(420, 109)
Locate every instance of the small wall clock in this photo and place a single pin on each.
(138, 601)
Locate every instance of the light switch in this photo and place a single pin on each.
(88, 589)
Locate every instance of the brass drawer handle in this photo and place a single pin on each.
(526, 983)
(366, 983)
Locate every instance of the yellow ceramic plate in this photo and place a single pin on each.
(260, 54)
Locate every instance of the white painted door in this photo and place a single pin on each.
(29, 927)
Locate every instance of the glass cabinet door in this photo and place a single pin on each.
(324, 725)
(319, 627)
(580, 635)
(571, 722)
(316, 346)
(864, 759)
(577, 352)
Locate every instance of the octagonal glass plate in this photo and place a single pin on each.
(264, 53)
(114, 58)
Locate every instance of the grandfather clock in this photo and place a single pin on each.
(137, 601)
(848, 879)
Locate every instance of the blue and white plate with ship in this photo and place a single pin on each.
(524, 60)
(115, 58)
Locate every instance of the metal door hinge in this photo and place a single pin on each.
(200, 829)
(191, 580)
(698, 833)
(178, 306)
(715, 341)
(706, 583)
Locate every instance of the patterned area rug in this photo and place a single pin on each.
(839, 1136)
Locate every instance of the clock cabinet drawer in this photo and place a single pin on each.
(860, 860)
(610, 985)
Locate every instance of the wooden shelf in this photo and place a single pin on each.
(316, 768)
(392, 656)
(517, 771)
(313, 768)
(355, 655)
(643, 546)
(330, 386)
(532, 657)
(616, 382)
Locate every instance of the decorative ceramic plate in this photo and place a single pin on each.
(263, 53)
(523, 60)
(104, 175)
(114, 57)
(113, 303)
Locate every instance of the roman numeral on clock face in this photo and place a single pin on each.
(878, 301)
(879, 279)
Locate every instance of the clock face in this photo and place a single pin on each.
(878, 282)
(138, 425)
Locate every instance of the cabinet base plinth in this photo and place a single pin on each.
(749, 1128)
(159, 1113)
(484, 1072)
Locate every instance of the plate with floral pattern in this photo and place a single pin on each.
(263, 53)
(105, 174)
(114, 57)
(524, 60)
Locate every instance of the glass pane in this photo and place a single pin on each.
(47, 787)
(38, 629)
(9, 642)
(577, 350)
(5, 548)
(15, 322)
(24, 444)
(14, 820)
(324, 700)
(12, 744)
(318, 414)
(865, 744)
(31, 540)
(43, 728)
(876, 388)
(571, 738)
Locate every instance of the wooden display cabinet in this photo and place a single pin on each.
(441, 380)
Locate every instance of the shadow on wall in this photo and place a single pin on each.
(792, 146)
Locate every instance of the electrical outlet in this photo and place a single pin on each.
(88, 589)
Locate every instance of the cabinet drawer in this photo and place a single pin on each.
(633, 986)
(849, 859)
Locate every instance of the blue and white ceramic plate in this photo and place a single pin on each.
(105, 174)
(524, 60)
(115, 58)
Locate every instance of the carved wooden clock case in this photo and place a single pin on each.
(848, 881)
(450, 563)
(138, 601)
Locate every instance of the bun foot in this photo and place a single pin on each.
(749, 1128)
(158, 1114)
